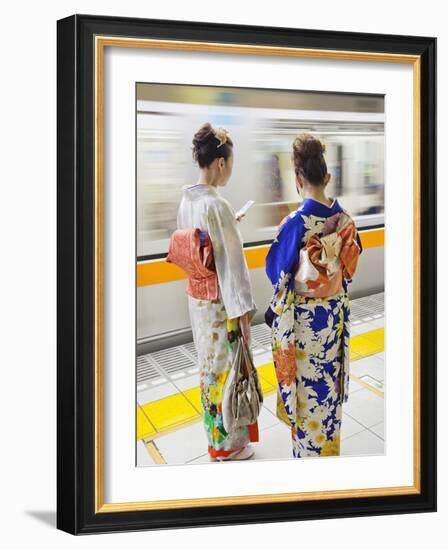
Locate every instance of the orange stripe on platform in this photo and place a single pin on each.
(372, 238)
(256, 257)
(159, 271)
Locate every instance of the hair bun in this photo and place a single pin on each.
(308, 157)
(307, 146)
(203, 135)
(209, 143)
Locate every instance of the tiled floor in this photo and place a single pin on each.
(169, 427)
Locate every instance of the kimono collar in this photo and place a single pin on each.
(199, 190)
(317, 208)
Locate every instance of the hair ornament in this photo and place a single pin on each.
(221, 135)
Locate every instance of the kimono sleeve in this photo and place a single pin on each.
(181, 217)
(283, 259)
(230, 262)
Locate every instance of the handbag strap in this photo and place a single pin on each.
(249, 366)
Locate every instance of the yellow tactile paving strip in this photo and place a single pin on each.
(169, 413)
(366, 344)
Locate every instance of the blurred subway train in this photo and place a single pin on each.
(263, 125)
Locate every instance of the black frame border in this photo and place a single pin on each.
(76, 263)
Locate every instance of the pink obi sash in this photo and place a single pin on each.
(197, 261)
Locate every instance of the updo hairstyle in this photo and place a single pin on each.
(210, 143)
(308, 157)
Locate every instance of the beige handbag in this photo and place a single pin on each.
(242, 396)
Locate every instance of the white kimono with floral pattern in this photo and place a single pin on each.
(213, 330)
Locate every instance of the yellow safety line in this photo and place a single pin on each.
(186, 411)
(144, 425)
(367, 386)
(156, 272)
(154, 452)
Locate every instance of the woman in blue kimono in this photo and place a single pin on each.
(309, 264)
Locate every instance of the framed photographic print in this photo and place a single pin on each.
(246, 274)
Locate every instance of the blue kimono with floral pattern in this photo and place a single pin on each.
(310, 333)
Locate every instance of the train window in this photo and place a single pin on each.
(263, 171)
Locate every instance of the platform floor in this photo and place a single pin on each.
(169, 425)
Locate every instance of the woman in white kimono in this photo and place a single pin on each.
(217, 323)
